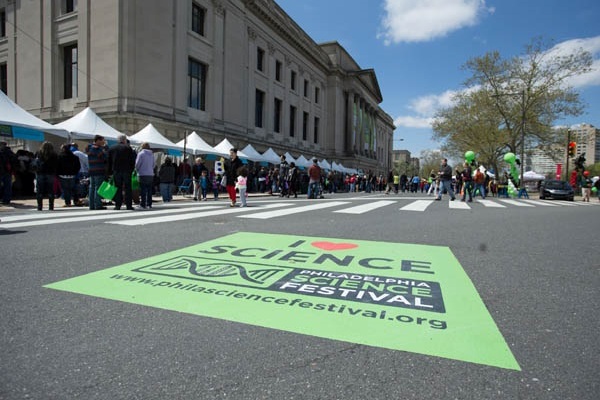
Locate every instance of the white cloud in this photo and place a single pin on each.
(425, 108)
(591, 45)
(424, 20)
(413, 122)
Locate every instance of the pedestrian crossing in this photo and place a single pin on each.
(264, 210)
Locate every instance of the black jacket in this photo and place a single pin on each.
(68, 164)
(121, 158)
(231, 170)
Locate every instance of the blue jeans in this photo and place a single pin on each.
(447, 184)
(45, 186)
(146, 183)
(95, 199)
(468, 188)
(481, 188)
(166, 191)
(123, 182)
(67, 185)
(313, 190)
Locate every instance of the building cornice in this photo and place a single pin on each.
(274, 17)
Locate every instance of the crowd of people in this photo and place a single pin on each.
(75, 176)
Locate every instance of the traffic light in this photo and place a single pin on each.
(572, 148)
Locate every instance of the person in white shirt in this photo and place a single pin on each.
(241, 184)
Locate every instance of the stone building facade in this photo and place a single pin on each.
(240, 69)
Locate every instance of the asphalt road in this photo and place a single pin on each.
(536, 270)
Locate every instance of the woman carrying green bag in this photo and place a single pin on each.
(144, 166)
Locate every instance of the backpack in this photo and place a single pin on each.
(479, 178)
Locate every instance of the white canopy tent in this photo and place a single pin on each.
(289, 158)
(86, 124)
(303, 162)
(340, 168)
(325, 164)
(270, 156)
(224, 147)
(150, 135)
(195, 145)
(22, 123)
(533, 176)
(253, 155)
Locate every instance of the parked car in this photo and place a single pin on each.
(554, 189)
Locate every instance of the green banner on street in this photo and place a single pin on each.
(398, 296)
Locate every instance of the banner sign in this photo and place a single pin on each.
(397, 296)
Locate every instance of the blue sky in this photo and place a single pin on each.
(417, 47)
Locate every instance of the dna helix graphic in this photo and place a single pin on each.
(217, 269)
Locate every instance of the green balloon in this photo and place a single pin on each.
(469, 156)
(594, 189)
(510, 158)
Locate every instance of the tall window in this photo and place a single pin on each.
(196, 84)
(304, 125)
(293, 80)
(316, 131)
(2, 23)
(259, 108)
(198, 18)
(260, 59)
(317, 95)
(3, 78)
(278, 70)
(292, 121)
(69, 6)
(277, 115)
(70, 71)
(305, 88)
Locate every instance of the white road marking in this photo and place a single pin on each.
(419, 205)
(365, 207)
(516, 203)
(295, 210)
(458, 205)
(194, 215)
(489, 203)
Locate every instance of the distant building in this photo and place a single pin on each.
(240, 69)
(587, 138)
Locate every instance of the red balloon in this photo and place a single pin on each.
(586, 173)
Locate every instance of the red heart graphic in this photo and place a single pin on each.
(334, 246)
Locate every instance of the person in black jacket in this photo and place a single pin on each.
(45, 163)
(231, 167)
(8, 167)
(67, 170)
(445, 176)
(121, 162)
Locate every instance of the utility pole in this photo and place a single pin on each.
(523, 118)
(567, 166)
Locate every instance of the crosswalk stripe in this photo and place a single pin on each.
(194, 215)
(489, 203)
(458, 205)
(104, 216)
(562, 202)
(419, 205)
(366, 207)
(54, 215)
(295, 210)
(516, 203)
(540, 203)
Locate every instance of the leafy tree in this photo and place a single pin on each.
(430, 161)
(511, 102)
